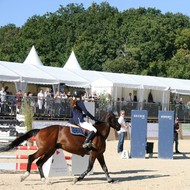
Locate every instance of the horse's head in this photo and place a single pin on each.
(112, 120)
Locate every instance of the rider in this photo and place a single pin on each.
(78, 112)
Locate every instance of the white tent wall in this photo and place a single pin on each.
(166, 100)
(124, 93)
(157, 95)
(100, 90)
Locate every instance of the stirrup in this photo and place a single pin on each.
(87, 145)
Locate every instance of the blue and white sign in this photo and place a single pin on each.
(165, 134)
(138, 133)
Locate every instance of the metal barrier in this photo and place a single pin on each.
(51, 110)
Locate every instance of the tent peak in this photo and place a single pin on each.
(33, 58)
(72, 62)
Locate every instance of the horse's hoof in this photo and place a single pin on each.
(75, 180)
(110, 180)
(22, 178)
(43, 179)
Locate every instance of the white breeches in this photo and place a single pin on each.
(88, 126)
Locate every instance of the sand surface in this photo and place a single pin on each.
(129, 174)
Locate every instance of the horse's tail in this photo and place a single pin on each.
(19, 140)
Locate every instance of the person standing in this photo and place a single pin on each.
(129, 98)
(176, 132)
(47, 98)
(57, 101)
(40, 97)
(3, 95)
(19, 100)
(122, 132)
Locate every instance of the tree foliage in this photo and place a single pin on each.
(138, 41)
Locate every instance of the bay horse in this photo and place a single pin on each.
(54, 137)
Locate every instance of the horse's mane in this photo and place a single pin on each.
(104, 115)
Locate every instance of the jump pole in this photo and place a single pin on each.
(17, 166)
(23, 157)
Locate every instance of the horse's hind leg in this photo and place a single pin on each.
(90, 166)
(104, 167)
(31, 158)
(41, 162)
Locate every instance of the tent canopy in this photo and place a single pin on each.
(33, 71)
(29, 73)
(64, 76)
(149, 82)
(179, 86)
(7, 75)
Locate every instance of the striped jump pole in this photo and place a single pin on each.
(13, 156)
(17, 166)
(23, 157)
(26, 148)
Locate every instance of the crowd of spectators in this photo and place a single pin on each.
(44, 103)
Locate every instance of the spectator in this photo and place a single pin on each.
(122, 132)
(176, 132)
(68, 94)
(3, 99)
(130, 99)
(135, 98)
(57, 100)
(150, 97)
(31, 102)
(19, 100)
(40, 97)
(47, 98)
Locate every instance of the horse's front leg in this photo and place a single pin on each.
(104, 167)
(90, 166)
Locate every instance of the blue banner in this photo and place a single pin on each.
(138, 133)
(165, 134)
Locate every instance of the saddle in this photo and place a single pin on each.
(77, 130)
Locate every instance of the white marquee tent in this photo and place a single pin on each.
(65, 76)
(61, 75)
(118, 84)
(28, 74)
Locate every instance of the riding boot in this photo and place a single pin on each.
(88, 142)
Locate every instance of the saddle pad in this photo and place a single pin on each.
(76, 131)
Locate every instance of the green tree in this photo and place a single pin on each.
(139, 41)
